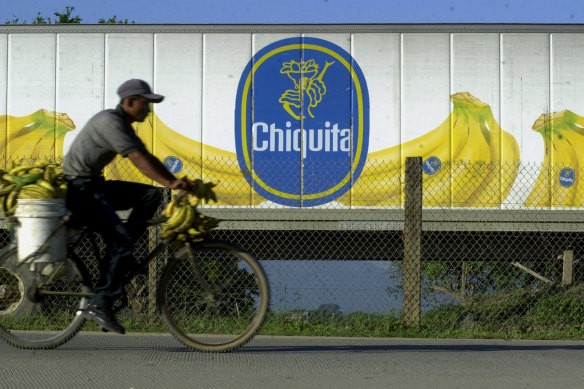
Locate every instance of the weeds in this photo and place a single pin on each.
(549, 312)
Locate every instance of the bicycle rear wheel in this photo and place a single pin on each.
(214, 300)
(37, 318)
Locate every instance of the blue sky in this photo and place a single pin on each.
(304, 11)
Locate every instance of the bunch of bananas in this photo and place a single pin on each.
(184, 221)
(558, 183)
(470, 151)
(40, 180)
(38, 135)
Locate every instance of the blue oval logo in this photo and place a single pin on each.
(567, 177)
(431, 165)
(302, 122)
(173, 164)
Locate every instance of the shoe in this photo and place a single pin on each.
(104, 318)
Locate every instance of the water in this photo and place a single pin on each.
(355, 286)
(352, 285)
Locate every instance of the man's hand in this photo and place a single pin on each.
(182, 183)
(198, 188)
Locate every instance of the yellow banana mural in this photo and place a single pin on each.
(37, 136)
(471, 138)
(469, 160)
(200, 161)
(558, 184)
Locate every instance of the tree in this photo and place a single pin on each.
(65, 17)
(62, 18)
(113, 20)
(40, 20)
(14, 20)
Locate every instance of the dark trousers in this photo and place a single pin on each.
(94, 202)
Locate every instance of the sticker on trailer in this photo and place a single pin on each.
(302, 121)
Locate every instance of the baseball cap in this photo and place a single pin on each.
(135, 87)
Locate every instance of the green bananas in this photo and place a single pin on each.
(39, 180)
(184, 221)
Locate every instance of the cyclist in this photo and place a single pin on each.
(94, 201)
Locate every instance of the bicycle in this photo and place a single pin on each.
(212, 296)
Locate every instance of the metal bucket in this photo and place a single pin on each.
(39, 227)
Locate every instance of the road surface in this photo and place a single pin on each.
(97, 360)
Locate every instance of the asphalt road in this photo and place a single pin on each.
(158, 361)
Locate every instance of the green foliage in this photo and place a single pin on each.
(64, 17)
(548, 312)
(40, 20)
(464, 281)
(114, 20)
(334, 324)
(14, 20)
(545, 312)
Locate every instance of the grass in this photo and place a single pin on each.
(550, 312)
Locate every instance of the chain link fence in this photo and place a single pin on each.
(471, 248)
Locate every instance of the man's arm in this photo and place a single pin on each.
(152, 168)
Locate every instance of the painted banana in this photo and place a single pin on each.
(382, 179)
(503, 169)
(452, 184)
(38, 135)
(463, 155)
(484, 170)
(209, 163)
(558, 183)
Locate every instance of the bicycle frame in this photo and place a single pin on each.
(199, 306)
(185, 252)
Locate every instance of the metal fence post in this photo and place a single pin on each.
(412, 236)
(153, 274)
(155, 267)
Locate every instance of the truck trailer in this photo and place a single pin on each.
(307, 127)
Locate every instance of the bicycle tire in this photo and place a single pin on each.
(225, 320)
(39, 322)
(13, 282)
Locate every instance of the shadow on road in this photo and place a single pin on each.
(401, 347)
(266, 345)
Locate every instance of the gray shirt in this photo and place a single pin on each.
(104, 136)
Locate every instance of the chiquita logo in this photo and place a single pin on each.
(302, 122)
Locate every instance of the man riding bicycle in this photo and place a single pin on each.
(94, 201)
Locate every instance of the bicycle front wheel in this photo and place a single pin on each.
(33, 315)
(215, 299)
